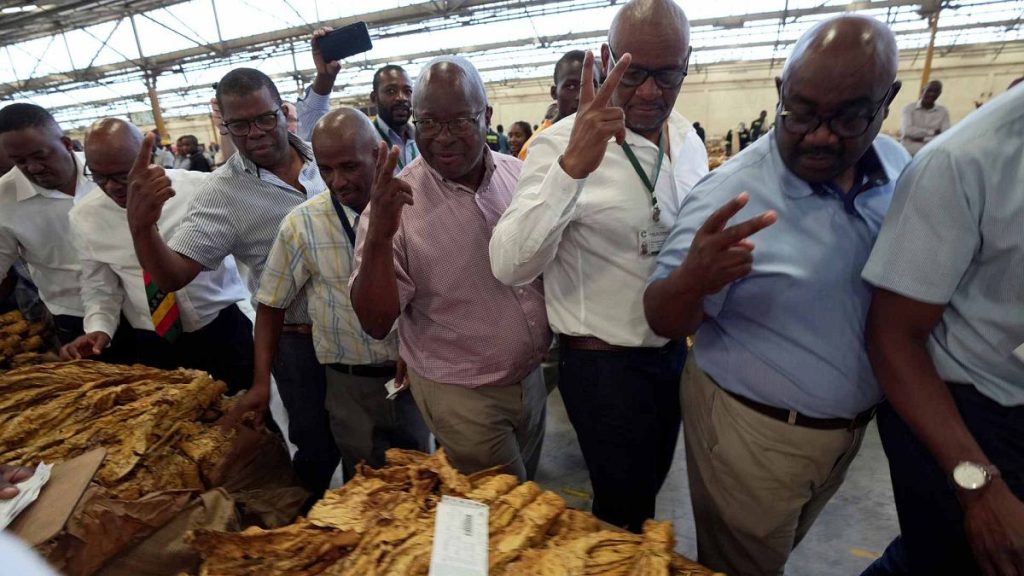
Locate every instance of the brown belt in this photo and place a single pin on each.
(797, 419)
(590, 343)
(297, 329)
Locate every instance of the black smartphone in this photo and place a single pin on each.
(344, 42)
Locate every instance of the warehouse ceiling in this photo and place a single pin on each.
(85, 60)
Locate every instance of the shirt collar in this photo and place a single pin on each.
(304, 150)
(871, 168)
(383, 127)
(27, 189)
(678, 126)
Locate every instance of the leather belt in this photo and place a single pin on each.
(797, 419)
(297, 329)
(590, 343)
(365, 370)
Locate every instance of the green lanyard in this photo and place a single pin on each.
(390, 144)
(648, 183)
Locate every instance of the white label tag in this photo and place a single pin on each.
(393, 389)
(1019, 352)
(460, 538)
(651, 239)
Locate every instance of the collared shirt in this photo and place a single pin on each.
(111, 279)
(582, 235)
(790, 334)
(312, 253)
(458, 324)
(238, 211)
(313, 106)
(34, 225)
(916, 121)
(955, 237)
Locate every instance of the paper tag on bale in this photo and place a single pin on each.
(460, 538)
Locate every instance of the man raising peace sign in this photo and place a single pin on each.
(598, 194)
(778, 388)
(473, 345)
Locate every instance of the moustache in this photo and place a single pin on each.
(820, 151)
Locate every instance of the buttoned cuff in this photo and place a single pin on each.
(100, 322)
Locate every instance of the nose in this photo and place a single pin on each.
(338, 182)
(113, 187)
(821, 136)
(649, 90)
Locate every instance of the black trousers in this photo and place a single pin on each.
(625, 408)
(224, 348)
(122, 344)
(932, 539)
(301, 381)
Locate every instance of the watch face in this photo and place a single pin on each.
(969, 476)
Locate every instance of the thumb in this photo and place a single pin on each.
(145, 153)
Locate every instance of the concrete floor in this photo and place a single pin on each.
(855, 527)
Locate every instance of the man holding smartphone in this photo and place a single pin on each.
(392, 94)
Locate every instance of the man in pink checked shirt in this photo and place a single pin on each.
(472, 344)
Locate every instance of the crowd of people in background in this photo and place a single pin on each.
(331, 253)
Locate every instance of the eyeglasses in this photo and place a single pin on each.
(456, 126)
(265, 122)
(843, 125)
(102, 179)
(666, 79)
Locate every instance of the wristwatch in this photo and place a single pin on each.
(973, 476)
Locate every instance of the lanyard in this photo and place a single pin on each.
(384, 135)
(344, 219)
(648, 183)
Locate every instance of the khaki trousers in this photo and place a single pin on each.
(757, 484)
(489, 426)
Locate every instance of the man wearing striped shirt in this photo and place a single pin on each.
(314, 253)
(473, 345)
(237, 212)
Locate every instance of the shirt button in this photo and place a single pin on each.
(532, 323)
(521, 291)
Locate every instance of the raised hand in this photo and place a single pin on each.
(322, 66)
(389, 196)
(596, 121)
(719, 255)
(85, 346)
(149, 188)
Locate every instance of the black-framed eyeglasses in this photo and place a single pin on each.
(666, 79)
(265, 122)
(843, 125)
(102, 179)
(456, 126)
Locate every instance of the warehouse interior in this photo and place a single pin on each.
(155, 63)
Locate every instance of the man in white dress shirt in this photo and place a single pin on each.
(590, 215)
(216, 336)
(35, 199)
(923, 120)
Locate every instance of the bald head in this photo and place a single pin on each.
(656, 34)
(345, 146)
(451, 72)
(111, 145)
(836, 90)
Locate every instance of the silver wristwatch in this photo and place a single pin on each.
(973, 476)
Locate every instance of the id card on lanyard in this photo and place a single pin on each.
(652, 237)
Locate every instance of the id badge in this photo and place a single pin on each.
(650, 240)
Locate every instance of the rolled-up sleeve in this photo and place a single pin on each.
(208, 234)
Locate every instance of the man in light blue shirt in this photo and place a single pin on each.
(946, 339)
(779, 388)
(392, 95)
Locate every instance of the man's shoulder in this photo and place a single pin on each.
(507, 164)
(315, 206)
(891, 153)
(9, 187)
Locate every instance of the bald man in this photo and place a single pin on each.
(923, 120)
(313, 252)
(474, 346)
(211, 332)
(590, 215)
(778, 388)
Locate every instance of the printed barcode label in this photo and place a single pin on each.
(460, 538)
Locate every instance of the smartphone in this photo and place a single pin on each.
(344, 42)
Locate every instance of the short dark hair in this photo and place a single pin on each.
(244, 81)
(569, 57)
(524, 126)
(382, 71)
(192, 140)
(24, 115)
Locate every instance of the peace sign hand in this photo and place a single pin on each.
(388, 197)
(596, 121)
(149, 188)
(718, 254)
